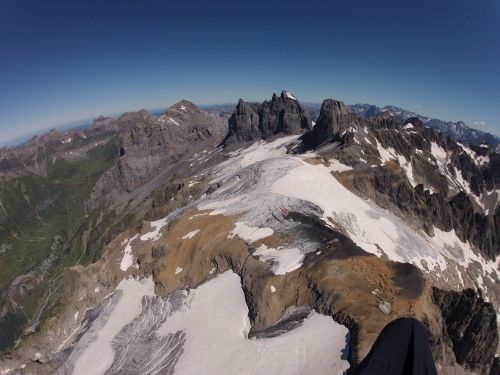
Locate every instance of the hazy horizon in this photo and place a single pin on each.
(21, 138)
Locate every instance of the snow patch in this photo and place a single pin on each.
(391, 154)
(337, 166)
(170, 119)
(290, 96)
(155, 234)
(128, 257)
(282, 260)
(178, 270)
(248, 233)
(477, 159)
(440, 155)
(385, 154)
(191, 234)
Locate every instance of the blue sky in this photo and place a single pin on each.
(66, 60)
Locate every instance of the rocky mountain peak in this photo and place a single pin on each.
(185, 106)
(186, 113)
(333, 122)
(281, 115)
(243, 108)
(336, 106)
(287, 95)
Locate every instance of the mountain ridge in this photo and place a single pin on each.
(459, 129)
(357, 218)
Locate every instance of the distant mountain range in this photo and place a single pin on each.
(458, 130)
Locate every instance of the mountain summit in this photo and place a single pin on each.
(281, 115)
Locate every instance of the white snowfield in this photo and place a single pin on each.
(278, 179)
(99, 355)
(374, 229)
(215, 318)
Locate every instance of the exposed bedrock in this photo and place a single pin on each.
(155, 148)
(470, 324)
(357, 289)
(333, 122)
(281, 115)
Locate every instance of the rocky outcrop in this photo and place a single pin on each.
(334, 120)
(470, 324)
(281, 115)
(243, 124)
(153, 147)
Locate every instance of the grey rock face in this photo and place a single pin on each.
(333, 122)
(155, 142)
(470, 324)
(281, 115)
(243, 124)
